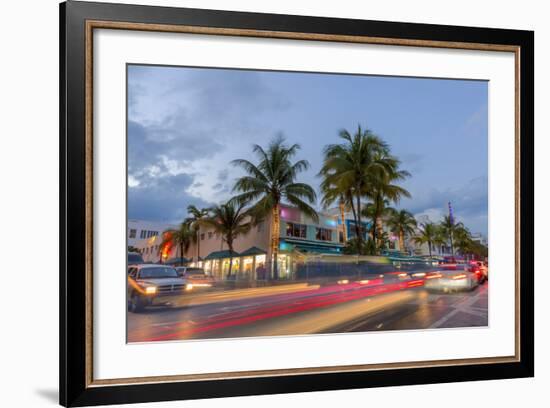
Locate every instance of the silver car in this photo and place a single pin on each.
(153, 285)
(451, 280)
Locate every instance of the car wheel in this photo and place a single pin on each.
(136, 303)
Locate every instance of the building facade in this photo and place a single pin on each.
(479, 238)
(252, 258)
(138, 230)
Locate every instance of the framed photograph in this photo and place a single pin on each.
(257, 204)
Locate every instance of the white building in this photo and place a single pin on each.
(478, 237)
(140, 229)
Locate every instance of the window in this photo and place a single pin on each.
(142, 234)
(132, 233)
(210, 235)
(323, 234)
(295, 230)
(341, 236)
(202, 236)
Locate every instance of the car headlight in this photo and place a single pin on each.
(151, 290)
(189, 286)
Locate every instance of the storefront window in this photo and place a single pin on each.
(225, 267)
(261, 270)
(234, 267)
(283, 266)
(208, 267)
(216, 268)
(247, 266)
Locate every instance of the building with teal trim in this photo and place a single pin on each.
(251, 258)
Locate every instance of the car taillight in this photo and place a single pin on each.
(461, 276)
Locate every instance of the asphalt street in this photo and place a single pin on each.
(307, 309)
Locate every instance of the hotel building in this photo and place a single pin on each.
(299, 237)
(138, 230)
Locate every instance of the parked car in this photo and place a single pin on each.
(150, 284)
(134, 258)
(195, 277)
(451, 279)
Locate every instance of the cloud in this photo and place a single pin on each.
(183, 124)
(469, 202)
(165, 199)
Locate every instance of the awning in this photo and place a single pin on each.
(221, 255)
(253, 251)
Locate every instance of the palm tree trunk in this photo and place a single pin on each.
(401, 241)
(430, 249)
(198, 243)
(275, 232)
(354, 217)
(343, 218)
(359, 226)
(181, 253)
(379, 228)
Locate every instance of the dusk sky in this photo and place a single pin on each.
(185, 125)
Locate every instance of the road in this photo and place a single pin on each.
(307, 309)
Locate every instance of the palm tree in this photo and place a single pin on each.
(270, 182)
(345, 201)
(402, 223)
(181, 238)
(463, 240)
(229, 220)
(448, 228)
(429, 234)
(347, 169)
(194, 221)
(384, 191)
(375, 212)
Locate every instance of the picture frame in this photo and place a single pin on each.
(78, 20)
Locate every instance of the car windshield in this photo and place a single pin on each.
(158, 272)
(134, 259)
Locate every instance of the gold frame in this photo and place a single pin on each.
(99, 24)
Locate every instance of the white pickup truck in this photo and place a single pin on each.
(150, 284)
